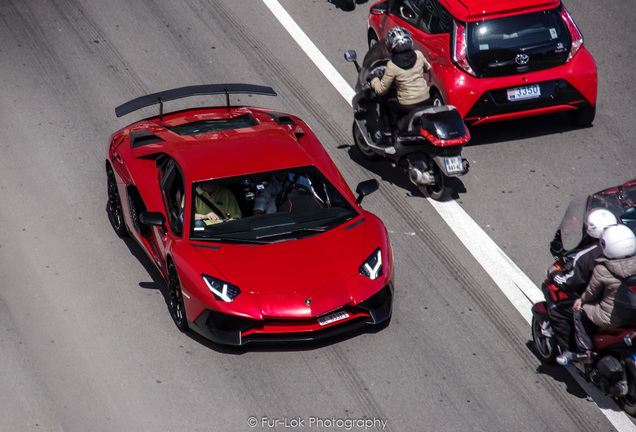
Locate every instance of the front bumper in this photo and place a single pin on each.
(233, 330)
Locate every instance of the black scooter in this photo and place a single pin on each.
(426, 143)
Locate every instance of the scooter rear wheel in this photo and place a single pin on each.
(628, 402)
(544, 346)
(442, 189)
(365, 150)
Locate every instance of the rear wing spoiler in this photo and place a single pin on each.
(195, 90)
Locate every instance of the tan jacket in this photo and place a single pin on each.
(598, 298)
(410, 83)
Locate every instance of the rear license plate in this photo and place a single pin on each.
(454, 165)
(526, 92)
(328, 319)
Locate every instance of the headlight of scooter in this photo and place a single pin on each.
(372, 266)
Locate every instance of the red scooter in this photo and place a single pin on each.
(613, 365)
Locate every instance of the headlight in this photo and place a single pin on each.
(372, 266)
(222, 290)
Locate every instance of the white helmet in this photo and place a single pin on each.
(618, 241)
(597, 220)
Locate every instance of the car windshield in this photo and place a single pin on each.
(494, 46)
(267, 207)
(620, 201)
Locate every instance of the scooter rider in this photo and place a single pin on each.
(574, 281)
(406, 69)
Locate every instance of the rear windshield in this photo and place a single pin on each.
(499, 47)
(217, 125)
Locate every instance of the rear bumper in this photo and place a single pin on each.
(233, 330)
(556, 96)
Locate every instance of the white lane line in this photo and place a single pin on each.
(518, 287)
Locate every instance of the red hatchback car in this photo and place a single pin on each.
(249, 221)
(497, 60)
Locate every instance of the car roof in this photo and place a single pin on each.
(473, 10)
(277, 141)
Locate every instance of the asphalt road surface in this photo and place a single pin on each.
(86, 340)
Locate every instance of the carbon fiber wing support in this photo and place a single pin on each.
(195, 90)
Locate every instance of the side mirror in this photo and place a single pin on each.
(629, 217)
(350, 56)
(556, 245)
(382, 8)
(152, 218)
(365, 188)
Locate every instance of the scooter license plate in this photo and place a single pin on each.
(454, 165)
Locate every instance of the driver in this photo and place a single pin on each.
(265, 200)
(406, 69)
(574, 281)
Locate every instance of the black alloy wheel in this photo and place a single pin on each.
(113, 208)
(177, 306)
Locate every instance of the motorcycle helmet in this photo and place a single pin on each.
(597, 220)
(399, 39)
(618, 241)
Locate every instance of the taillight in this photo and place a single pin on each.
(575, 34)
(459, 48)
(445, 142)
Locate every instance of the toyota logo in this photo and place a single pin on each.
(522, 59)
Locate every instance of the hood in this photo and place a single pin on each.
(292, 266)
(622, 268)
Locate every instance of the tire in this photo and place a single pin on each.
(364, 149)
(628, 402)
(582, 117)
(113, 207)
(544, 346)
(175, 299)
(436, 98)
(349, 5)
(442, 189)
(372, 39)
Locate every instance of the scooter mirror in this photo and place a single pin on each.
(556, 245)
(350, 56)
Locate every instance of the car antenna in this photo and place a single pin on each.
(227, 99)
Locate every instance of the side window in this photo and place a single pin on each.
(408, 10)
(435, 18)
(172, 192)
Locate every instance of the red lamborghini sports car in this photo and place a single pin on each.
(249, 221)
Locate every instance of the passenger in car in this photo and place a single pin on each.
(213, 204)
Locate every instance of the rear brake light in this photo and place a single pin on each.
(459, 48)
(575, 34)
(632, 288)
(445, 142)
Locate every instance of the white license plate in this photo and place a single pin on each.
(328, 319)
(525, 92)
(454, 165)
